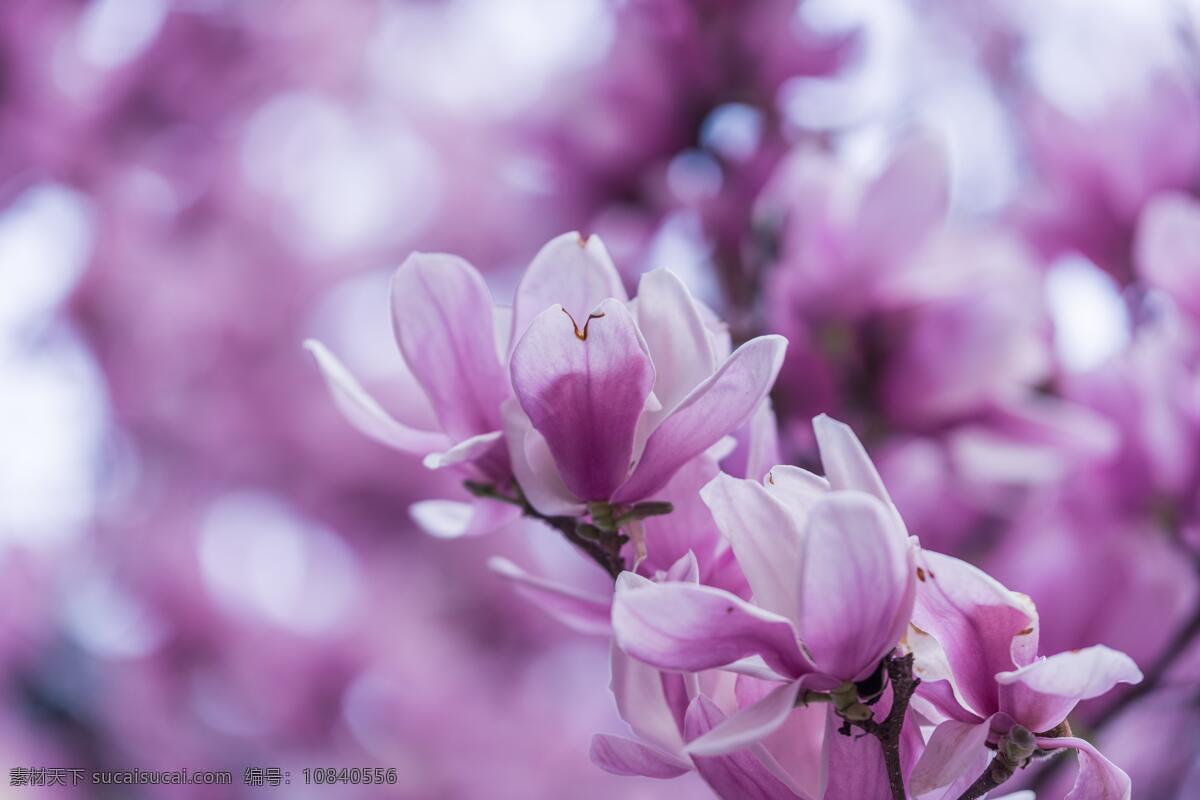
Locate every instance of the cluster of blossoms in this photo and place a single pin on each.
(748, 595)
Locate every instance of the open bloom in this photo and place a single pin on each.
(976, 645)
(611, 397)
(831, 571)
(668, 710)
(614, 397)
(445, 325)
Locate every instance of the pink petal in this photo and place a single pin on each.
(955, 749)
(975, 620)
(796, 488)
(626, 757)
(1098, 778)
(763, 441)
(643, 703)
(738, 776)
(856, 595)
(688, 627)
(579, 611)
(750, 724)
(442, 317)
(1040, 695)
(583, 383)
(846, 463)
(685, 570)
(451, 519)
(715, 408)
(690, 527)
(905, 204)
(676, 335)
(766, 540)
(465, 451)
(569, 271)
(534, 468)
(364, 413)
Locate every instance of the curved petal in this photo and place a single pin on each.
(715, 408)
(856, 580)
(579, 611)
(847, 465)
(1098, 778)
(975, 620)
(686, 569)
(364, 413)
(762, 441)
(569, 271)
(442, 318)
(689, 527)
(583, 384)
(766, 540)
(748, 725)
(533, 466)
(451, 519)
(796, 488)
(745, 775)
(643, 703)
(955, 749)
(688, 627)
(676, 335)
(464, 451)
(1040, 695)
(622, 756)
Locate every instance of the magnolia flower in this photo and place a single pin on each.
(669, 710)
(617, 396)
(831, 570)
(445, 325)
(600, 399)
(976, 644)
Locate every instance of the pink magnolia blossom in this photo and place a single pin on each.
(976, 644)
(607, 400)
(808, 546)
(621, 399)
(667, 711)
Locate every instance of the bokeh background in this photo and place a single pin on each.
(976, 222)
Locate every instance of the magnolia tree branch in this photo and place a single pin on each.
(602, 546)
(904, 685)
(985, 783)
(1012, 753)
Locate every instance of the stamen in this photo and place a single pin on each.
(581, 335)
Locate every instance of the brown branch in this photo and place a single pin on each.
(603, 547)
(904, 685)
(984, 784)
(1014, 751)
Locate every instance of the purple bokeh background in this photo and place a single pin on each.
(977, 224)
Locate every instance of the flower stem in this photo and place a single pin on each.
(603, 547)
(1013, 752)
(904, 685)
(985, 783)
